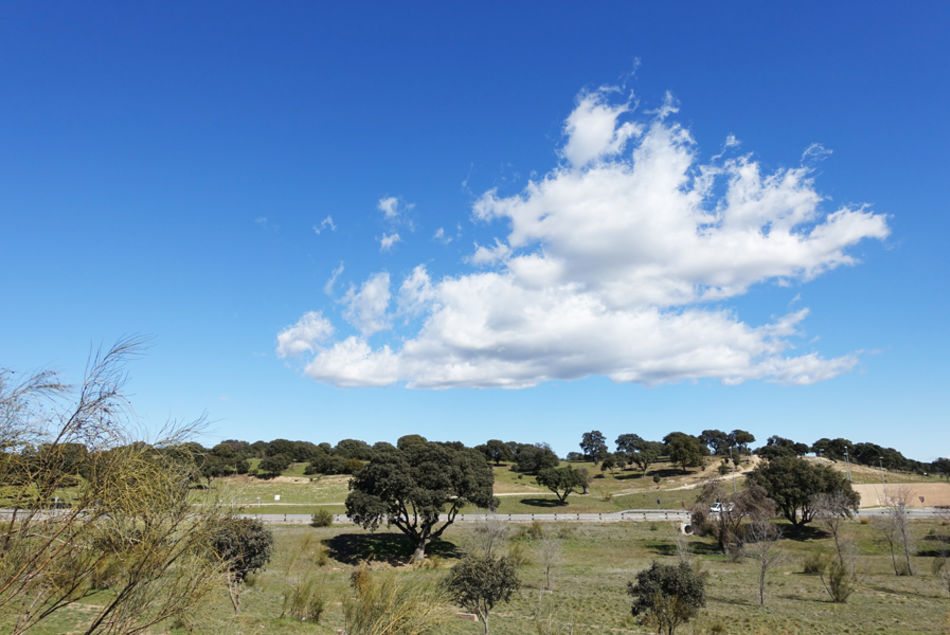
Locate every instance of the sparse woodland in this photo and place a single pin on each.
(103, 532)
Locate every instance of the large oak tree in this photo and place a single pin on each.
(410, 486)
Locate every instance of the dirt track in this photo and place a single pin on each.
(934, 494)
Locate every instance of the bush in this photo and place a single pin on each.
(478, 583)
(519, 555)
(840, 581)
(243, 544)
(385, 604)
(304, 601)
(815, 563)
(666, 596)
(536, 530)
(321, 518)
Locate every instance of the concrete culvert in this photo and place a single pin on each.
(686, 528)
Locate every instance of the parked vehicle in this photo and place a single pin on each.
(717, 507)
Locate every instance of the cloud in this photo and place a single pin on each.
(815, 152)
(616, 263)
(441, 237)
(389, 206)
(366, 308)
(490, 255)
(303, 336)
(387, 241)
(326, 223)
(592, 130)
(331, 281)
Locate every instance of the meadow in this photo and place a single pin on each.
(516, 493)
(589, 583)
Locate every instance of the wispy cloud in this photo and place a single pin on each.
(331, 281)
(387, 241)
(389, 206)
(326, 223)
(441, 237)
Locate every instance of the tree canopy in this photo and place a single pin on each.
(667, 595)
(562, 481)
(685, 450)
(532, 458)
(794, 484)
(244, 545)
(409, 487)
(594, 445)
(479, 582)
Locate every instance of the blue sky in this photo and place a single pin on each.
(624, 217)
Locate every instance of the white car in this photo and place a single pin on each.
(717, 507)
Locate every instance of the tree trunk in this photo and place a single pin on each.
(234, 593)
(894, 558)
(420, 553)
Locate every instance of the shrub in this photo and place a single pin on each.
(321, 518)
(243, 544)
(840, 581)
(480, 582)
(666, 596)
(385, 604)
(815, 563)
(304, 601)
(519, 555)
(322, 557)
(536, 530)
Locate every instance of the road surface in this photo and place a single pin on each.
(629, 515)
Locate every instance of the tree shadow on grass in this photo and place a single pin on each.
(542, 502)
(664, 548)
(392, 548)
(627, 477)
(732, 601)
(880, 588)
(799, 598)
(803, 533)
(937, 546)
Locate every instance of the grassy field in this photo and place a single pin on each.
(517, 493)
(589, 594)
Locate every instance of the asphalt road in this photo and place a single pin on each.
(629, 515)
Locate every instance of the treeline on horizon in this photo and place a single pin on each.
(232, 456)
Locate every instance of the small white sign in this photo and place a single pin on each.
(276, 497)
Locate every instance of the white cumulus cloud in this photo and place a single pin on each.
(303, 336)
(609, 268)
(366, 309)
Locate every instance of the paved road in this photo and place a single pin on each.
(628, 515)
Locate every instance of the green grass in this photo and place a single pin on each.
(589, 592)
(244, 491)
